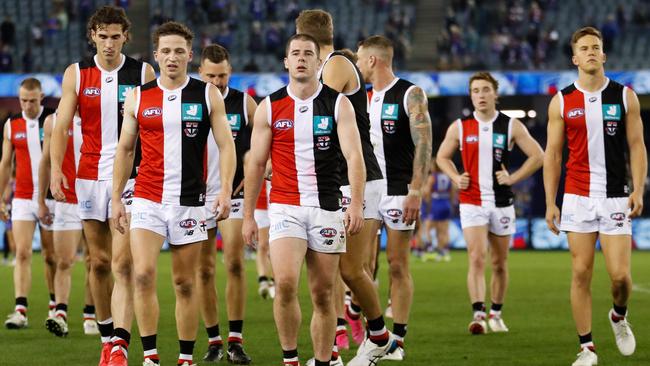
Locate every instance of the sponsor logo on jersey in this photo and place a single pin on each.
(152, 112)
(388, 126)
(303, 109)
(92, 92)
(593, 99)
(171, 98)
(234, 120)
(612, 112)
(283, 124)
(191, 112)
(323, 142)
(499, 140)
(328, 232)
(122, 90)
(389, 111)
(323, 125)
(471, 139)
(576, 113)
(191, 129)
(187, 224)
(610, 127)
(109, 79)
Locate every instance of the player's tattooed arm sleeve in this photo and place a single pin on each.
(553, 152)
(420, 125)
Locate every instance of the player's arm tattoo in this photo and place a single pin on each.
(420, 125)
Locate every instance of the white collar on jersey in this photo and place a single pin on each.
(225, 94)
(187, 81)
(392, 83)
(496, 114)
(40, 111)
(295, 98)
(593, 92)
(113, 71)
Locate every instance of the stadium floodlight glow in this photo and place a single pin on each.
(514, 113)
(532, 113)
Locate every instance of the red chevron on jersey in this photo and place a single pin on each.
(71, 158)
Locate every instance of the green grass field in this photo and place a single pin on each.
(536, 310)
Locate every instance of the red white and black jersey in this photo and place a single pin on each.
(594, 124)
(101, 96)
(71, 158)
(174, 126)
(236, 112)
(359, 101)
(26, 136)
(390, 133)
(305, 150)
(485, 145)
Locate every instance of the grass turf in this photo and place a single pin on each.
(536, 310)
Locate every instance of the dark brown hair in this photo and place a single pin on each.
(318, 24)
(31, 84)
(484, 75)
(302, 37)
(215, 53)
(171, 29)
(107, 15)
(586, 31)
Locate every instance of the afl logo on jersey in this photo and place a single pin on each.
(191, 129)
(152, 112)
(471, 139)
(20, 136)
(92, 92)
(576, 113)
(389, 126)
(283, 124)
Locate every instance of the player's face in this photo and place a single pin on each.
(173, 55)
(302, 60)
(483, 95)
(364, 62)
(109, 40)
(30, 101)
(217, 74)
(588, 54)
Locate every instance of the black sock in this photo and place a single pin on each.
(213, 332)
(52, 298)
(105, 330)
(123, 334)
(620, 310)
(21, 301)
(89, 309)
(321, 363)
(478, 306)
(235, 326)
(340, 321)
(496, 307)
(186, 347)
(585, 338)
(262, 279)
(292, 353)
(399, 329)
(148, 342)
(64, 308)
(356, 308)
(376, 324)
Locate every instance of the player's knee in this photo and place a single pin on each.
(123, 267)
(285, 291)
(477, 261)
(206, 274)
(64, 264)
(582, 275)
(184, 286)
(399, 269)
(352, 273)
(499, 268)
(23, 255)
(50, 260)
(235, 267)
(322, 299)
(144, 279)
(620, 280)
(101, 266)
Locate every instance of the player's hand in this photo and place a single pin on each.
(503, 177)
(353, 219)
(4, 212)
(221, 207)
(553, 218)
(58, 180)
(118, 213)
(462, 181)
(635, 203)
(44, 214)
(411, 208)
(249, 231)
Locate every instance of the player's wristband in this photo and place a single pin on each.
(415, 192)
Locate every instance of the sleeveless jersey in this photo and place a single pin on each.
(26, 136)
(485, 145)
(594, 124)
(236, 112)
(101, 96)
(174, 126)
(359, 101)
(390, 133)
(71, 158)
(305, 150)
